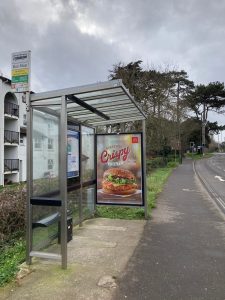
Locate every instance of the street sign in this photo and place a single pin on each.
(21, 71)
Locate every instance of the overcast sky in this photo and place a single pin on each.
(76, 42)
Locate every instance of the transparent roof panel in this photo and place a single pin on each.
(101, 93)
(89, 103)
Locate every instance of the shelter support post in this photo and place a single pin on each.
(63, 180)
(81, 182)
(95, 169)
(29, 181)
(144, 169)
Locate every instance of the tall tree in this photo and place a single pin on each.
(206, 98)
(156, 92)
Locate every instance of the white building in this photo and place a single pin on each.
(12, 134)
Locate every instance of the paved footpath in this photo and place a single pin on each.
(181, 254)
(97, 255)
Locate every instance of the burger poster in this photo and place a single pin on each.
(119, 169)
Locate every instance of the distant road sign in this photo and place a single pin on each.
(21, 62)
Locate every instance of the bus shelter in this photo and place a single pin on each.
(61, 165)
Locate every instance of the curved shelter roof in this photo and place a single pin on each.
(95, 104)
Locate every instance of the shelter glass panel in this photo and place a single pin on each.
(45, 189)
(45, 153)
(88, 171)
(73, 198)
(88, 203)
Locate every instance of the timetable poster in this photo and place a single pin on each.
(72, 154)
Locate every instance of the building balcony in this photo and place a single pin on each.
(11, 137)
(11, 165)
(11, 109)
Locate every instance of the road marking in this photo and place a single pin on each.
(219, 177)
(210, 189)
(188, 190)
(221, 202)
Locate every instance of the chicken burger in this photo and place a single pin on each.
(119, 181)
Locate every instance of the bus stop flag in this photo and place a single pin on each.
(21, 62)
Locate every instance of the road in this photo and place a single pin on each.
(212, 174)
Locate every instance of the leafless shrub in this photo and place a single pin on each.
(12, 212)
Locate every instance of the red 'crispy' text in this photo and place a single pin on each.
(121, 154)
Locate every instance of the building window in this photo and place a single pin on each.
(21, 139)
(24, 119)
(37, 142)
(50, 164)
(50, 143)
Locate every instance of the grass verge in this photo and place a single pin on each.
(196, 156)
(155, 182)
(10, 258)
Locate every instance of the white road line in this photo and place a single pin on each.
(221, 202)
(219, 177)
(210, 189)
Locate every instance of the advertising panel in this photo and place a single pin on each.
(119, 169)
(21, 71)
(72, 154)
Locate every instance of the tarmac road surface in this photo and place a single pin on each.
(212, 173)
(181, 255)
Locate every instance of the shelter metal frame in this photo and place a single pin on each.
(99, 104)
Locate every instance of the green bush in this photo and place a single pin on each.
(12, 213)
(156, 162)
(172, 164)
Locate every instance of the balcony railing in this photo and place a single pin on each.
(11, 137)
(12, 109)
(11, 165)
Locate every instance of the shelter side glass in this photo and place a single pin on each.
(88, 171)
(45, 190)
(73, 198)
(88, 201)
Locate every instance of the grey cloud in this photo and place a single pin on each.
(68, 58)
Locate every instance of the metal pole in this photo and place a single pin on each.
(95, 168)
(29, 180)
(203, 129)
(144, 169)
(219, 142)
(81, 181)
(63, 179)
(178, 121)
